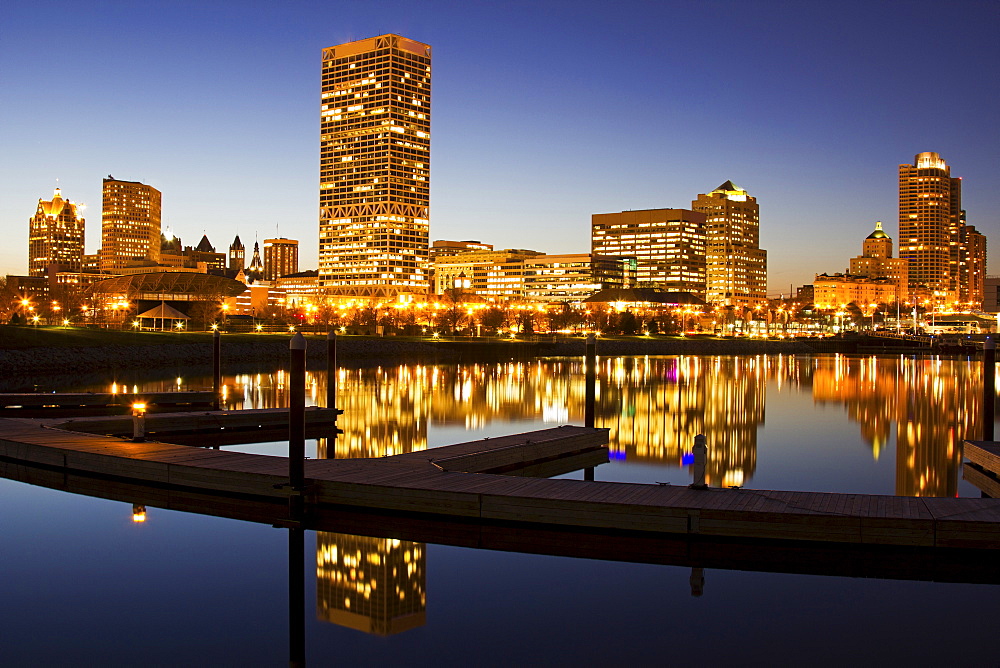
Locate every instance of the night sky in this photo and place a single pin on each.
(543, 113)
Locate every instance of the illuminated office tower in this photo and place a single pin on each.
(668, 246)
(971, 265)
(374, 191)
(55, 236)
(130, 224)
(281, 258)
(736, 266)
(930, 206)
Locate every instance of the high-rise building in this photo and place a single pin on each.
(668, 246)
(130, 224)
(930, 206)
(374, 191)
(55, 236)
(281, 258)
(736, 266)
(971, 265)
(237, 255)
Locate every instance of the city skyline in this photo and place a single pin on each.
(532, 136)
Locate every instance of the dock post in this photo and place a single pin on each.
(989, 386)
(700, 460)
(296, 598)
(590, 368)
(217, 368)
(297, 413)
(331, 369)
(697, 581)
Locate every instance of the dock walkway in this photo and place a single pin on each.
(422, 483)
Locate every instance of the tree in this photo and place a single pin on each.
(493, 319)
(628, 324)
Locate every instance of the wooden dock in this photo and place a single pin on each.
(45, 404)
(421, 484)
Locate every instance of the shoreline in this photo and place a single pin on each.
(23, 366)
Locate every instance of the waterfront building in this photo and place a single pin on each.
(55, 236)
(574, 277)
(947, 257)
(130, 224)
(443, 247)
(237, 255)
(374, 193)
(834, 291)
(736, 266)
(971, 265)
(492, 274)
(281, 257)
(668, 246)
(876, 261)
(991, 294)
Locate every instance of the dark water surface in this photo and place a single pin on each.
(83, 584)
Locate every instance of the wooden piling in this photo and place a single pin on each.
(331, 369)
(989, 386)
(590, 370)
(296, 411)
(217, 368)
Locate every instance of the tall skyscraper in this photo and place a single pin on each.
(930, 207)
(374, 191)
(130, 224)
(55, 236)
(667, 244)
(281, 257)
(736, 266)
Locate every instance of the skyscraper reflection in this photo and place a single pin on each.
(654, 406)
(375, 585)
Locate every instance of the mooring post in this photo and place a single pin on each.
(217, 369)
(989, 386)
(590, 370)
(297, 413)
(700, 459)
(138, 422)
(296, 598)
(697, 581)
(331, 369)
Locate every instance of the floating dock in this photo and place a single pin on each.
(432, 483)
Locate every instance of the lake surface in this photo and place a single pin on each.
(85, 584)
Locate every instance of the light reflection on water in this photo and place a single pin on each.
(887, 425)
(848, 424)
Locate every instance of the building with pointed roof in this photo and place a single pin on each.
(876, 262)
(237, 255)
(255, 271)
(735, 265)
(55, 236)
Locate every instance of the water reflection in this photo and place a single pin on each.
(375, 585)
(654, 407)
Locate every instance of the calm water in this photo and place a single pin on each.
(85, 585)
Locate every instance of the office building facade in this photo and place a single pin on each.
(374, 193)
(668, 246)
(130, 224)
(736, 266)
(281, 258)
(55, 237)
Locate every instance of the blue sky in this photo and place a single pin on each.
(543, 113)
